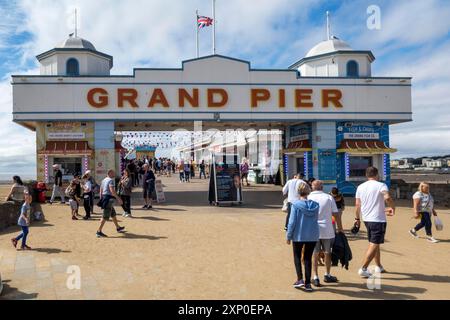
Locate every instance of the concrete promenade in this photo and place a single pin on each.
(186, 249)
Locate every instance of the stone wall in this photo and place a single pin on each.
(9, 214)
(440, 191)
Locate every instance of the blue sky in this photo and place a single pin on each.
(414, 40)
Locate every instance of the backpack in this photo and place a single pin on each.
(69, 191)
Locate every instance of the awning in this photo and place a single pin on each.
(298, 146)
(66, 148)
(365, 146)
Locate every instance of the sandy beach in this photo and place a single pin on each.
(186, 249)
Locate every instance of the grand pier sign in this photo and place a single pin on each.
(208, 86)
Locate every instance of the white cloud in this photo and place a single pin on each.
(144, 33)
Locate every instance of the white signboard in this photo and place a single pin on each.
(160, 197)
(300, 138)
(209, 89)
(66, 135)
(362, 135)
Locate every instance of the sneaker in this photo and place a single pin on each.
(124, 214)
(101, 235)
(380, 270)
(14, 242)
(364, 273)
(149, 207)
(86, 218)
(127, 215)
(144, 207)
(25, 247)
(74, 218)
(308, 288)
(432, 240)
(316, 282)
(413, 233)
(120, 229)
(299, 284)
(329, 279)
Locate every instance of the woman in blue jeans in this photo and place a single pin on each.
(303, 231)
(23, 222)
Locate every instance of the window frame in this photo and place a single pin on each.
(347, 69)
(77, 73)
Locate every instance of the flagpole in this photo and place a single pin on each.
(196, 30)
(214, 25)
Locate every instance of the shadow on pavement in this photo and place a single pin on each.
(129, 235)
(420, 277)
(386, 292)
(11, 293)
(151, 218)
(51, 250)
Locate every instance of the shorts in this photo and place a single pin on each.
(244, 175)
(73, 204)
(147, 193)
(325, 245)
(376, 231)
(109, 211)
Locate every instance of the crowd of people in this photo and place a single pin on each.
(314, 220)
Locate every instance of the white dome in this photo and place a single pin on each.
(328, 46)
(76, 43)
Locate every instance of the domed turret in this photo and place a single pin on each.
(335, 58)
(76, 43)
(328, 46)
(74, 57)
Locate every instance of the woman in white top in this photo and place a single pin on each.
(423, 203)
(17, 190)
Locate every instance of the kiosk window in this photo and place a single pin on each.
(69, 166)
(358, 166)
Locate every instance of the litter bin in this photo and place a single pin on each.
(258, 177)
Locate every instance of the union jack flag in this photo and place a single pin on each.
(203, 21)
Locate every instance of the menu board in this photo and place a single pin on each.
(327, 165)
(225, 184)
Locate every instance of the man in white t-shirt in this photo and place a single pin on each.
(327, 208)
(370, 204)
(291, 190)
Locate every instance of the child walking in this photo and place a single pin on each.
(24, 222)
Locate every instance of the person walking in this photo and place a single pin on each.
(87, 195)
(244, 171)
(24, 223)
(125, 189)
(71, 193)
(327, 209)
(340, 204)
(303, 232)
(187, 172)
(423, 206)
(192, 169)
(291, 190)
(148, 186)
(370, 205)
(108, 196)
(202, 169)
(17, 190)
(95, 188)
(57, 185)
(181, 171)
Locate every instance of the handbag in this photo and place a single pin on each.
(285, 206)
(438, 224)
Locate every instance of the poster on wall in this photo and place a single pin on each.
(104, 160)
(225, 182)
(327, 165)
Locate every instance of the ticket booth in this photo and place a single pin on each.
(361, 145)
